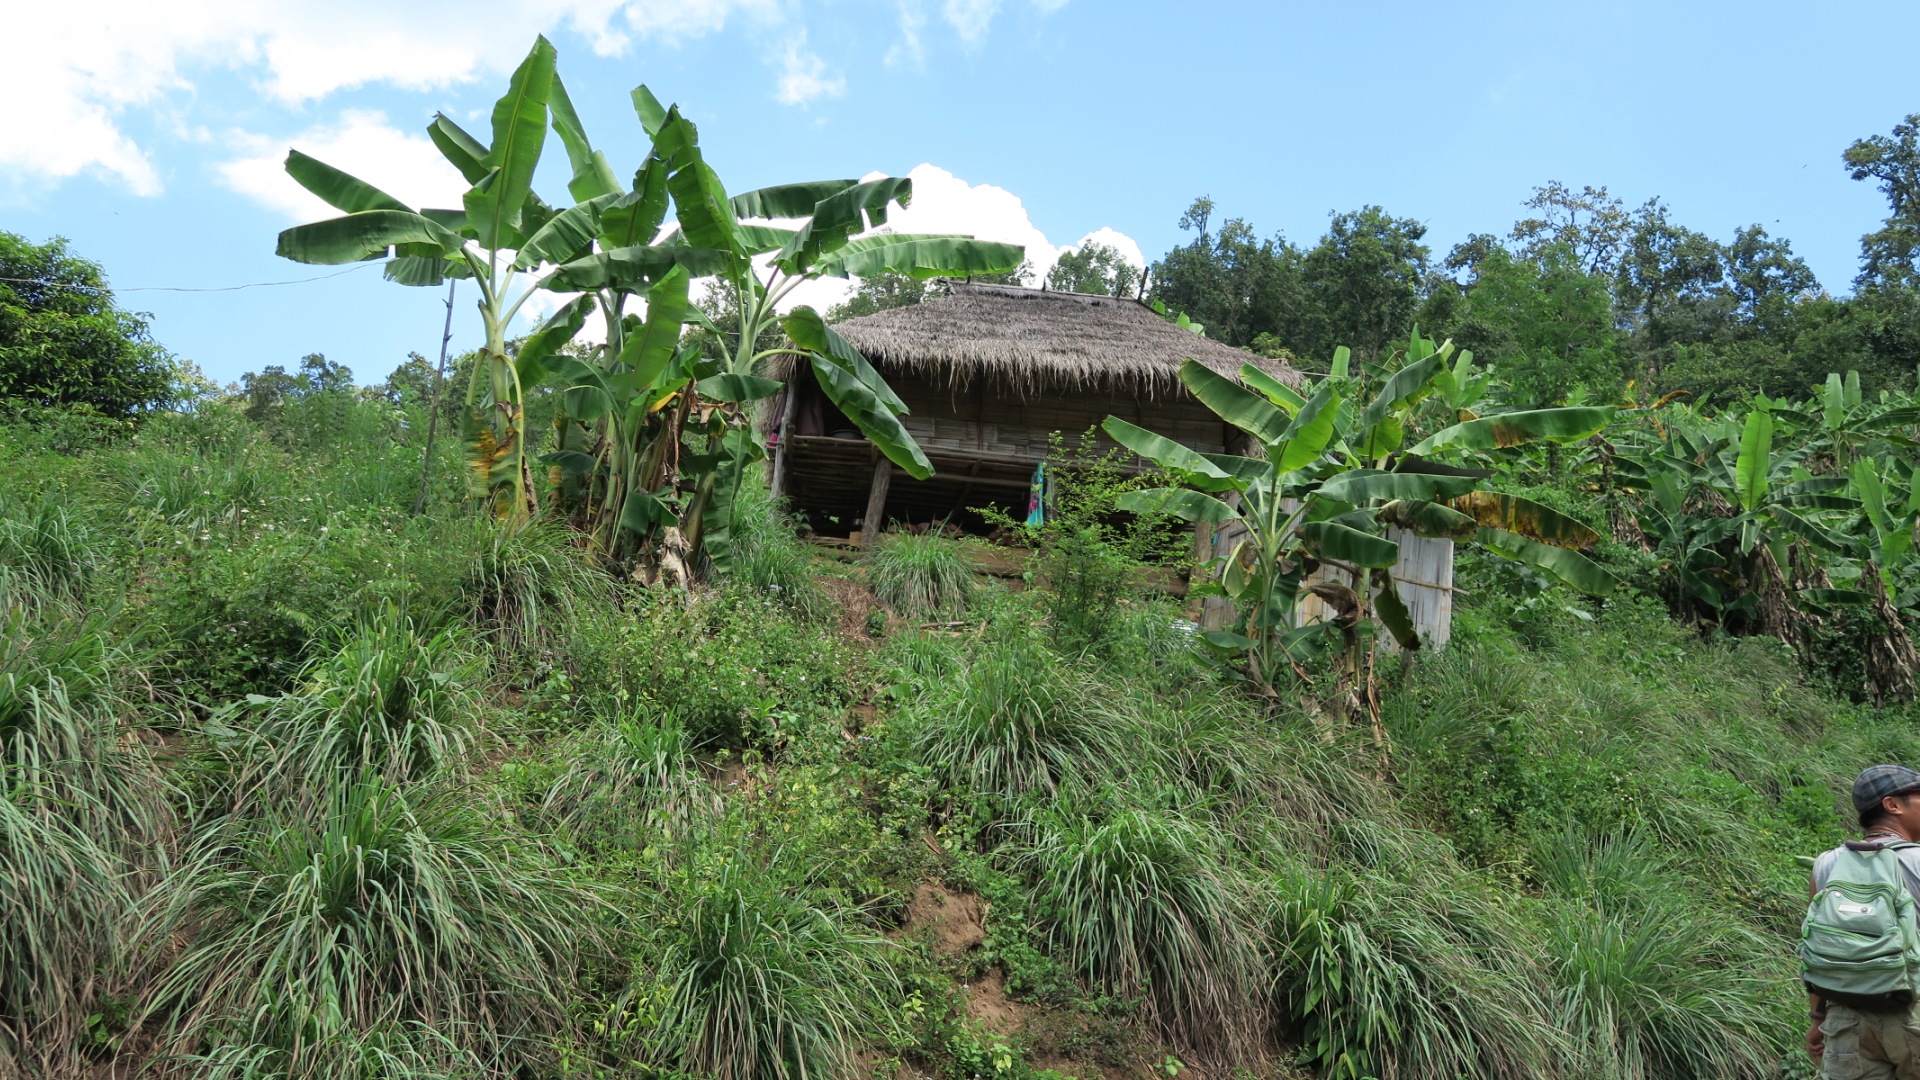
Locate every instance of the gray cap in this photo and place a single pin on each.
(1880, 781)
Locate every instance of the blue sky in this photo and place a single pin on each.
(155, 144)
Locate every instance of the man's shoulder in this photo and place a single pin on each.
(1909, 853)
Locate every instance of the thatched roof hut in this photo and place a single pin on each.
(1030, 341)
(989, 372)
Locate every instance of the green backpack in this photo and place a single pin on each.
(1860, 943)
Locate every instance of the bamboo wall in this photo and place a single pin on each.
(991, 419)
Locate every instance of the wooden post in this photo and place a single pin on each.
(876, 518)
(777, 481)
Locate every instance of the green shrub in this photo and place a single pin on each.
(390, 698)
(737, 669)
(746, 976)
(84, 822)
(1017, 722)
(1398, 982)
(1652, 984)
(51, 544)
(374, 921)
(770, 558)
(920, 575)
(1142, 905)
(615, 778)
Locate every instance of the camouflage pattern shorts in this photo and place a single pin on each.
(1870, 1045)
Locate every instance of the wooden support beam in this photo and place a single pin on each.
(876, 518)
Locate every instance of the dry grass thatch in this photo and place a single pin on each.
(1028, 340)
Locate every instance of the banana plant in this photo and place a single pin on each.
(501, 232)
(1724, 509)
(1331, 476)
(762, 245)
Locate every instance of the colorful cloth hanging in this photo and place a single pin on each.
(1037, 497)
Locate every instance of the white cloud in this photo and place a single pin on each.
(909, 50)
(1107, 236)
(1048, 7)
(364, 144)
(804, 77)
(131, 54)
(945, 203)
(942, 203)
(971, 18)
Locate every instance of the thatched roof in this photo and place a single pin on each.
(1030, 340)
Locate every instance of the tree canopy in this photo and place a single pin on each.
(65, 342)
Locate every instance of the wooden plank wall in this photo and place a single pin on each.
(983, 417)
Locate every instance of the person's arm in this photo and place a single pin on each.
(1816, 1009)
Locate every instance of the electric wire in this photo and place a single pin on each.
(182, 288)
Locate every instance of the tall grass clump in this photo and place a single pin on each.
(769, 557)
(524, 587)
(84, 826)
(48, 543)
(1017, 721)
(378, 922)
(1143, 905)
(1400, 982)
(1651, 984)
(391, 697)
(920, 574)
(747, 977)
(617, 777)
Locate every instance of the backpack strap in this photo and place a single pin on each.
(1879, 845)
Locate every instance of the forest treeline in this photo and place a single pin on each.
(1583, 298)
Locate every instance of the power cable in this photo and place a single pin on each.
(182, 288)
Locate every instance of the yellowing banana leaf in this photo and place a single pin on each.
(1530, 519)
(1502, 430)
(1429, 519)
(1570, 567)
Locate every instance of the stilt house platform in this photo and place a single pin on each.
(989, 372)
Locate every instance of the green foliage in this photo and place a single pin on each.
(373, 922)
(392, 698)
(1143, 905)
(82, 807)
(1400, 980)
(736, 669)
(1093, 268)
(740, 977)
(920, 574)
(1017, 722)
(65, 343)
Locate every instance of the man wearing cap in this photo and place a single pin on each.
(1851, 1043)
